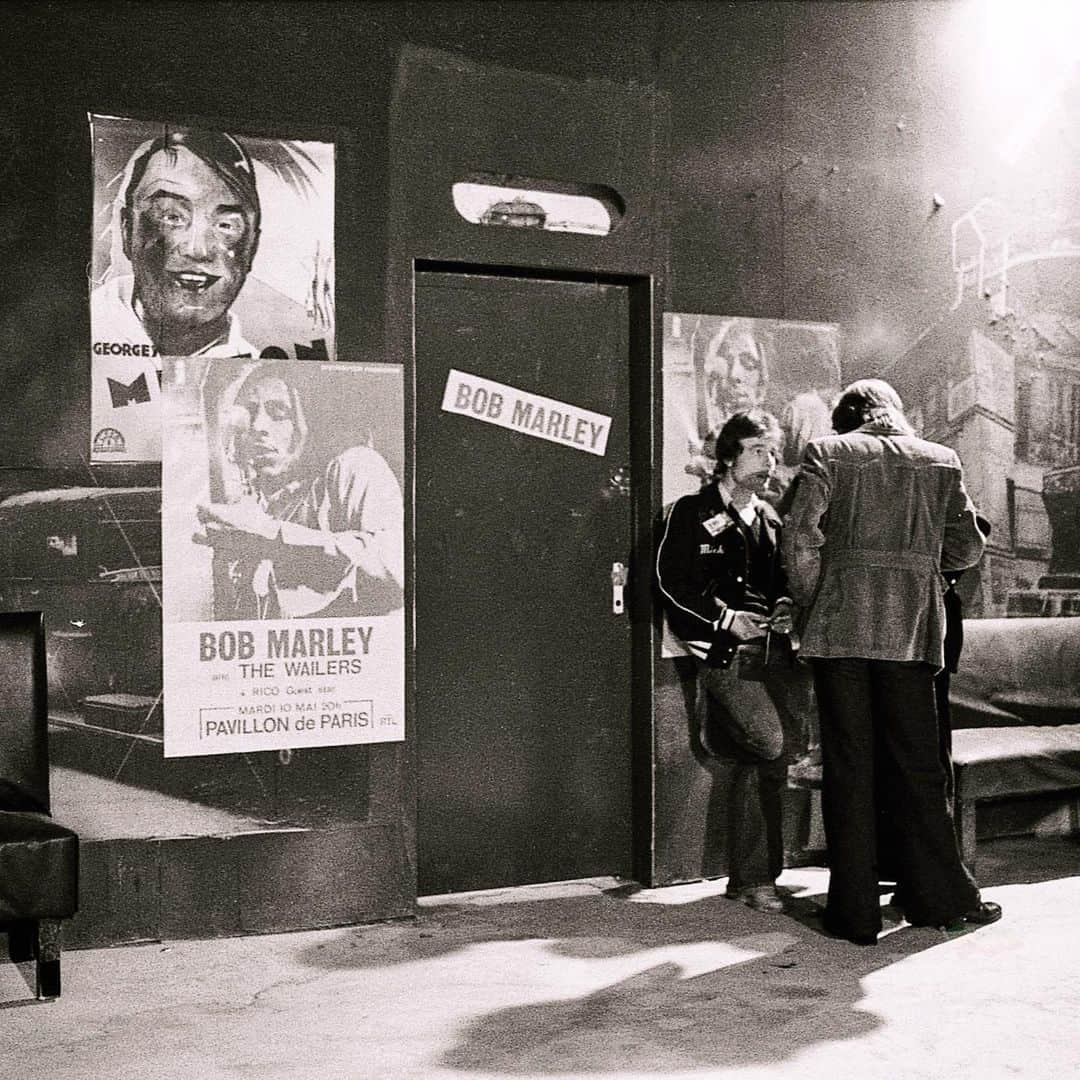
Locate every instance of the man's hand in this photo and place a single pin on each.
(747, 625)
(225, 522)
(782, 620)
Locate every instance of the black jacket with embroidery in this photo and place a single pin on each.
(706, 564)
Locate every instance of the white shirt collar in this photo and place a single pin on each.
(749, 512)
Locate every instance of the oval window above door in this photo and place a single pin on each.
(521, 203)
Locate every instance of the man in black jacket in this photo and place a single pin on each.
(725, 595)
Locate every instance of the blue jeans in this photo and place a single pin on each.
(758, 726)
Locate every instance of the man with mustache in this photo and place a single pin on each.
(725, 595)
(190, 223)
(307, 538)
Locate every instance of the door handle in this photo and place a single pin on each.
(620, 480)
(619, 574)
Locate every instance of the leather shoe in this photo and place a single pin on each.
(986, 913)
(855, 939)
(860, 939)
(758, 897)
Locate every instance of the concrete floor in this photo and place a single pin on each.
(582, 980)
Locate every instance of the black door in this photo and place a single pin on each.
(522, 706)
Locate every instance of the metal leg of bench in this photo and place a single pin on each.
(48, 958)
(21, 938)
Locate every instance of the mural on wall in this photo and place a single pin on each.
(206, 244)
(997, 378)
(717, 365)
(283, 555)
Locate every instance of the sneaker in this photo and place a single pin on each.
(758, 897)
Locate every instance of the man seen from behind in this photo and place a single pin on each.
(877, 516)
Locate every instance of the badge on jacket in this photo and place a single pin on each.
(716, 524)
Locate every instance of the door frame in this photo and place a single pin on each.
(450, 117)
(643, 421)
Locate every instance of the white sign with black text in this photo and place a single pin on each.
(530, 414)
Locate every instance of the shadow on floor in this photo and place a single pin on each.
(624, 979)
(795, 989)
(645, 986)
(18, 982)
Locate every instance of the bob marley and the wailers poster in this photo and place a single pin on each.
(283, 554)
(205, 243)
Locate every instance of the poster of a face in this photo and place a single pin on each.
(716, 365)
(282, 554)
(205, 243)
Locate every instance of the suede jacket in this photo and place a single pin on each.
(710, 564)
(878, 515)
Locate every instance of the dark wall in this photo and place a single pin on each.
(291, 69)
(808, 143)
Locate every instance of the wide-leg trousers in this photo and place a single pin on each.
(881, 761)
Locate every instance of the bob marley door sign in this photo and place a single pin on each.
(205, 243)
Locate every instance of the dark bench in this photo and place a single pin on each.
(1015, 706)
